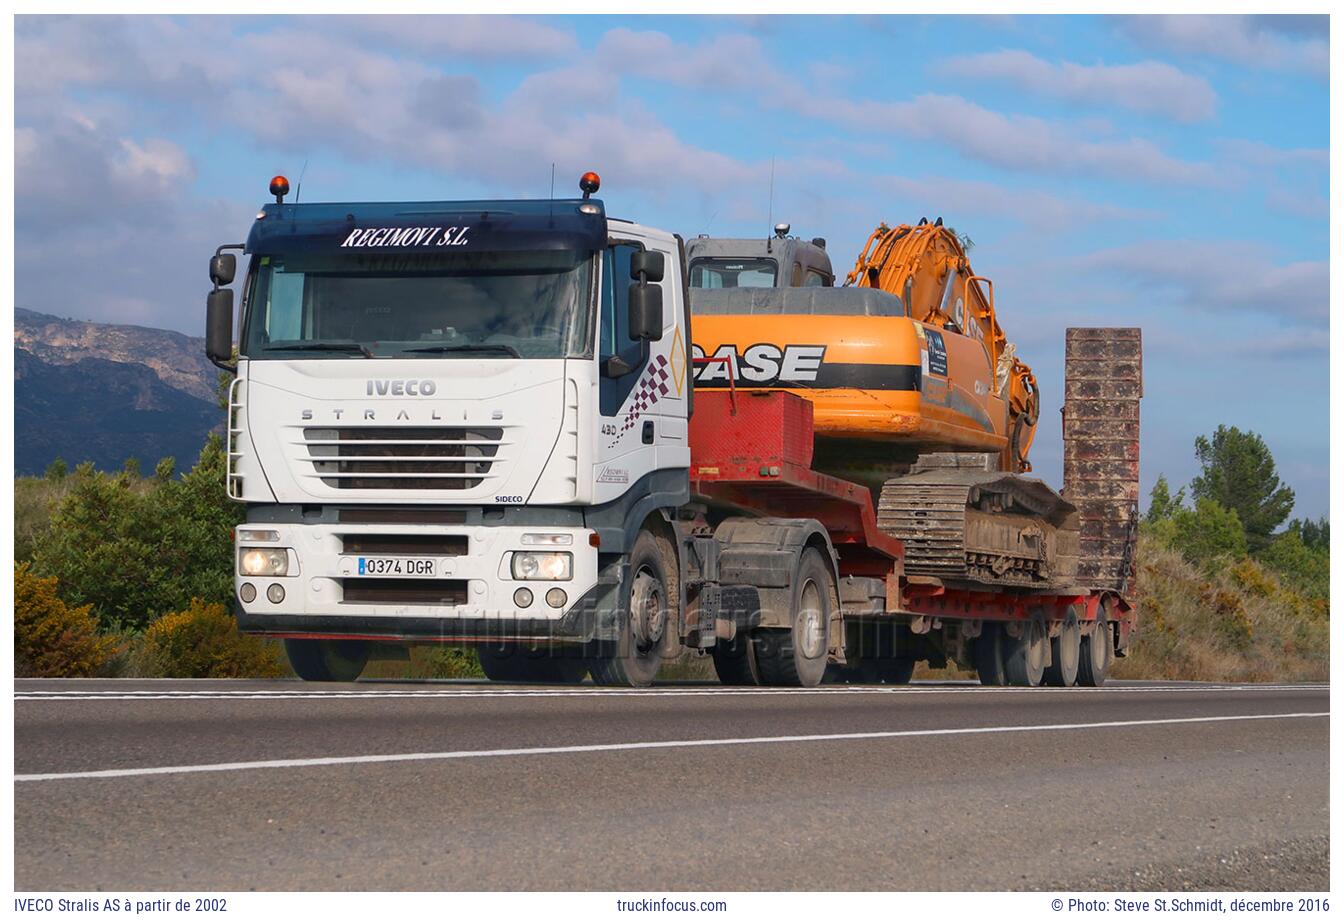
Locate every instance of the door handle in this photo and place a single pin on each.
(648, 433)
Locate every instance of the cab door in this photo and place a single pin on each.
(642, 390)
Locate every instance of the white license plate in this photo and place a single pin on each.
(397, 566)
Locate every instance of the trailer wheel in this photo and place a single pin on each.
(989, 656)
(518, 664)
(796, 657)
(340, 660)
(735, 662)
(1065, 650)
(1094, 662)
(648, 622)
(1024, 658)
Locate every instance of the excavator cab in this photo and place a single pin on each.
(779, 261)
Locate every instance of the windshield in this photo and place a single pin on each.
(733, 273)
(479, 305)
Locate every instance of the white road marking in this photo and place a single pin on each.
(305, 693)
(635, 746)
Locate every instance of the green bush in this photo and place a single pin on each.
(1208, 533)
(203, 641)
(52, 639)
(1305, 568)
(137, 548)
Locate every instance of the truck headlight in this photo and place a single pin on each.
(543, 566)
(257, 561)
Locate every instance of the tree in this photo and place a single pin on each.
(1303, 567)
(1209, 532)
(56, 470)
(1238, 473)
(1314, 534)
(1161, 503)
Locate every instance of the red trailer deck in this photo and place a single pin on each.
(752, 454)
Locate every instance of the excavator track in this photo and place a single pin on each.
(963, 521)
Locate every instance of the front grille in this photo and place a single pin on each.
(428, 544)
(403, 458)
(437, 591)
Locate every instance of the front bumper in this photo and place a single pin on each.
(469, 596)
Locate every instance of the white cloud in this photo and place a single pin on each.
(476, 37)
(725, 62)
(968, 200)
(1258, 42)
(1018, 142)
(1150, 87)
(1215, 277)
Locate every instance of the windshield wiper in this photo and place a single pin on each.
(505, 349)
(323, 346)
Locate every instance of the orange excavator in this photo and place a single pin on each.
(915, 389)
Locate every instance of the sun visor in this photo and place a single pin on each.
(455, 227)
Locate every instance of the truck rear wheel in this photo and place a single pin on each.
(327, 659)
(1024, 660)
(735, 662)
(1064, 652)
(989, 656)
(1094, 662)
(520, 664)
(649, 622)
(796, 656)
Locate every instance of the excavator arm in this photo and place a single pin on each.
(926, 266)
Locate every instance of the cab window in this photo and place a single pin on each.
(733, 273)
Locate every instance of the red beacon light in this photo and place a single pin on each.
(589, 182)
(279, 188)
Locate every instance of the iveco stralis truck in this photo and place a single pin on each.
(474, 422)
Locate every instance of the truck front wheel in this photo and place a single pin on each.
(649, 622)
(327, 659)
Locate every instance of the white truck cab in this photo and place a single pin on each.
(451, 421)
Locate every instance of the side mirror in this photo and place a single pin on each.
(219, 324)
(222, 268)
(646, 312)
(649, 263)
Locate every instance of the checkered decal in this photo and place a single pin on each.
(653, 386)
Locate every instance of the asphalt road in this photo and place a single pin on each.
(231, 785)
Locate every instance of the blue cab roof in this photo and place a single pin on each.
(429, 226)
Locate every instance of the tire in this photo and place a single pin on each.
(989, 656)
(1065, 650)
(1024, 657)
(522, 665)
(796, 656)
(339, 660)
(735, 662)
(1097, 654)
(649, 620)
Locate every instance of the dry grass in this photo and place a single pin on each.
(1238, 623)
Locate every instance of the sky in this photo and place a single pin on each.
(1165, 172)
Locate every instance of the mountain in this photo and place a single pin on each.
(101, 392)
(178, 360)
